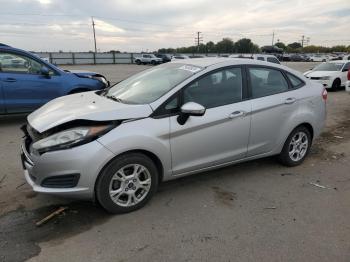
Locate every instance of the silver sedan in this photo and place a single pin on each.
(170, 121)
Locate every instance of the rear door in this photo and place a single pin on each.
(24, 87)
(273, 103)
(221, 134)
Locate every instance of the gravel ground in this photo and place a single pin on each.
(255, 211)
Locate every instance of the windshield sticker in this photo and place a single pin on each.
(190, 68)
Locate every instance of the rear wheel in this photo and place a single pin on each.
(296, 147)
(153, 62)
(127, 183)
(138, 62)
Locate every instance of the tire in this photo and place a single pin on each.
(301, 150)
(138, 62)
(153, 62)
(130, 194)
(336, 85)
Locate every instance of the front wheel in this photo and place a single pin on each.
(296, 147)
(127, 183)
(336, 85)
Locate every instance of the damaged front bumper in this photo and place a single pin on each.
(69, 172)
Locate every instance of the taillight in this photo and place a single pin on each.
(324, 94)
(349, 74)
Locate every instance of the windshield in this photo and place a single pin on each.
(149, 85)
(329, 67)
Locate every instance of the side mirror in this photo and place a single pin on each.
(190, 109)
(45, 71)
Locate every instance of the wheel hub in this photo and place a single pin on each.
(130, 185)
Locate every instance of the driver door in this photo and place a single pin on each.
(221, 134)
(24, 87)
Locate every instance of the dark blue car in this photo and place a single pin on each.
(27, 82)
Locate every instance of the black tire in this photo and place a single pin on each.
(284, 157)
(153, 62)
(336, 85)
(138, 62)
(104, 181)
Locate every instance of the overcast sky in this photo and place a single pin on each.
(141, 25)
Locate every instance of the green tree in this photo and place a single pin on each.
(226, 45)
(211, 48)
(281, 45)
(294, 45)
(245, 45)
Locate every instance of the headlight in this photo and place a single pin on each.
(324, 78)
(101, 79)
(69, 138)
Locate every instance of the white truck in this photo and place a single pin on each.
(147, 59)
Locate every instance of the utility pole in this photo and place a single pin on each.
(93, 29)
(302, 40)
(199, 40)
(273, 37)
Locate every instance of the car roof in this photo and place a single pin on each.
(209, 61)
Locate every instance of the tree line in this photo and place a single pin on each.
(245, 45)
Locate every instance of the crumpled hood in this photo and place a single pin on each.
(84, 106)
(320, 73)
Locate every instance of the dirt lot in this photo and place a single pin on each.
(256, 211)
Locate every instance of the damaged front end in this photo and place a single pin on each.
(65, 136)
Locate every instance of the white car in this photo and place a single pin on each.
(179, 57)
(261, 57)
(319, 58)
(332, 74)
(148, 59)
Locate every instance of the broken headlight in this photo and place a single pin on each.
(70, 138)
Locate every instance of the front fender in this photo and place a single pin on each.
(148, 134)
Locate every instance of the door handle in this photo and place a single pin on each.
(290, 100)
(236, 114)
(10, 80)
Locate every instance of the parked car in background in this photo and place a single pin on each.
(261, 57)
(148, 59)
(299, 58)
(179, 57)
(347, 84)
(346, 57)
(332, 74)
(27, 82)
(165, 57)
(170, 121)
(319, 58)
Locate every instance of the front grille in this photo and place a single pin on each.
(64, 181)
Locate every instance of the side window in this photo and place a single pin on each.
(266, 81)
(347, 66)
(216, 89)
(13, 63)
(296, 82)
(273, 60)
(261, 58)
